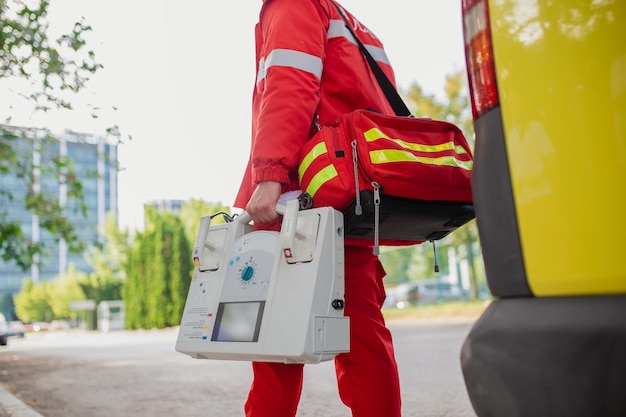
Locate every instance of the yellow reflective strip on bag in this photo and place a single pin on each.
(324, 175)
(376, 134)
(316, 151)
(390, 156)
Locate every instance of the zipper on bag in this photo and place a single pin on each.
(376, 216)
(358, 209)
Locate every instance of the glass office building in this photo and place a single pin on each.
(94, 161)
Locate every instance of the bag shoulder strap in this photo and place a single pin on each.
(394, 99)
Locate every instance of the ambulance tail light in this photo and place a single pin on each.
(479, 56)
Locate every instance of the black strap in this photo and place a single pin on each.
(394, 99)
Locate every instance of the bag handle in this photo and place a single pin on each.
(394, 99)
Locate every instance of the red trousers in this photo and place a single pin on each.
(367, 376)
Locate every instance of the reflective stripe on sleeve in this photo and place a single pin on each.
(290, 58)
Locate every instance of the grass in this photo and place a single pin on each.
(447, 310)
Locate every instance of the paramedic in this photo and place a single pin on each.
(309, 70)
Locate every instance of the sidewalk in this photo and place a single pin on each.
(10, 406)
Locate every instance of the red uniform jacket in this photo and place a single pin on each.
(308, 67)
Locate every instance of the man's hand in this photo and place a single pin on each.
(262, 204)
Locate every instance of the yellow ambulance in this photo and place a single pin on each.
(548, 87)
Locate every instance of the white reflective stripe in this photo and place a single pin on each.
(378, 54)
(290, 58)
(338, 29)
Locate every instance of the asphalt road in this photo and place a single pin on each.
(139, 374)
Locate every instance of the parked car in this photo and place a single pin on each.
(4, 330)
(17, 328)
(59, 325)
(424, 292)
(37, 326)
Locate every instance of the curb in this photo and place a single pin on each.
(11, 406)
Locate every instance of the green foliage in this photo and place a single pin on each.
(158, 273)
(33, 302)
(396, 262)
(180, 272)
(455, 108)
(465, 241)
(50, 69)
(101, 287)
(161, 253)
(136, 285)
(424, 261)
(63, 290)
(49, 300)
(18, 145)
(413, 263)
(106, 281)
(51, 66)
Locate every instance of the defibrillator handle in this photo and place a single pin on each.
(289, 228)
(198, 247)
(244, 218)
(287, 207)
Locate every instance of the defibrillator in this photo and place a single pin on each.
(268, 296)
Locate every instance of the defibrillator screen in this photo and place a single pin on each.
(238, 321)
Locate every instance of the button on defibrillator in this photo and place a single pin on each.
(247, 273)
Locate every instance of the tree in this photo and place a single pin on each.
(51, 299)
(51, 71)
(108, 261)
(180, 269)
(396, 261)
(136, 284)
(412, 263)
(158, 273)
(63, 290)
(17, 146)
(48, 300)
(455, 108)
(33, 302)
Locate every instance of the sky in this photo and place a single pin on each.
(178, 78)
